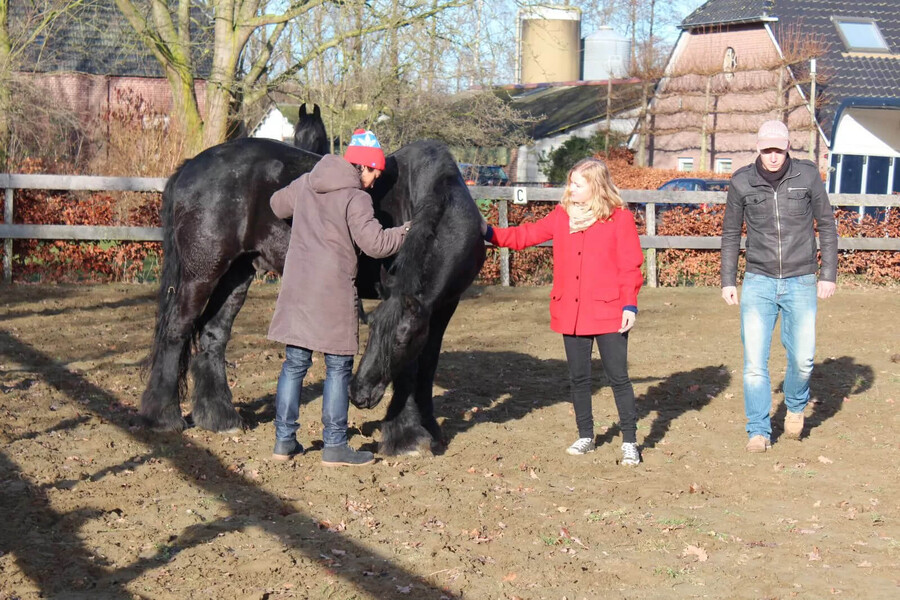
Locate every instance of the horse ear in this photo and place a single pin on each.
(303, 109)
(316, 112)
(387, 281)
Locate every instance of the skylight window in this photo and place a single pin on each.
(860, 35)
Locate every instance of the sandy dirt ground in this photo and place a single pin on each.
(94, 507)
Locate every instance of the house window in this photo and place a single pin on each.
(723, 165)
(860, 35)
(685, 164)
(730, 63)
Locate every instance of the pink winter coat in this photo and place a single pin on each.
(332, 217)
(596, 272)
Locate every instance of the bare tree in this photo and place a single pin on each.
(22, 107)
(168, 32)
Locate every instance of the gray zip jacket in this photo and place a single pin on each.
(781, 239)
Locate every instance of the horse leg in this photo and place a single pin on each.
(428, 361)
(401, 429)
(212, 407)
(160, 402)
(409, 424)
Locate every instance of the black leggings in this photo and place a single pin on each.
(613, 349)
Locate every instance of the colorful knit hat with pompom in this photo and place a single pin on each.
(365, 150)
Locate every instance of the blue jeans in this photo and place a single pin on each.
(335, 396)
(762, 299)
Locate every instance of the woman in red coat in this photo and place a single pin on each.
(596, 279)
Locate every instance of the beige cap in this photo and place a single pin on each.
(772, 134)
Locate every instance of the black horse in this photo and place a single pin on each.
(309, 132)
(440, 258)
(219, 231)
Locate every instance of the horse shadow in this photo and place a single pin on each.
(41, 534)
(833, 380)
(148, 298)
(501, 387)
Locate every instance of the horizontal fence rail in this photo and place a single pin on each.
(10, 231)
(651, 198)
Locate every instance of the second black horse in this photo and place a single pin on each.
(219, 231)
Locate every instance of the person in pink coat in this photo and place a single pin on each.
(597, 275)
(332, 217)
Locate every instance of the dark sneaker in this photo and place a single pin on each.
(337, 456)
(581, 446)
(631, 456)
(286, 449)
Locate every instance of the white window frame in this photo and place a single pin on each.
(839, 21)
(729, 63)
(686, 164)
(721, 163)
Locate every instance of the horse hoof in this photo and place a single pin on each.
(164, 426)
(231, 431)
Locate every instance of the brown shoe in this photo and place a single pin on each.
(793, 425)
(758, 443)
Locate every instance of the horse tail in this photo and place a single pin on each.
(169, 282)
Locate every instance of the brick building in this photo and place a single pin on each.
(91, 62)
(738, 63)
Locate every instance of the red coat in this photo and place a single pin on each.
(596, 272)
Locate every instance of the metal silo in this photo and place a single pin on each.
(549, 39)
(606, 55)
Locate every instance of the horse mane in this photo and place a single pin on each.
(407, 272)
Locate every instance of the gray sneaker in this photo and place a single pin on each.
(286, 449)
(631, 456)
(581, 446)
(335, 456)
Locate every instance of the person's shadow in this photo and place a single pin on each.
(672, 397)
(833, 380)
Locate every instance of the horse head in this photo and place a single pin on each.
(397, 334)
(309, 132)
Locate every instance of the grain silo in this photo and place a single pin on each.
(606, 55)
(549, 39)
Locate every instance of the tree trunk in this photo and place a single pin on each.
(5, 74)
(186, 111)
(704, 142)
(643, 130)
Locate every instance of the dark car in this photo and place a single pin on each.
(693, 184)
(483, 174)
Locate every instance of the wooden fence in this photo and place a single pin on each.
(503, 195)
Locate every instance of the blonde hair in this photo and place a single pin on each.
(605, 196)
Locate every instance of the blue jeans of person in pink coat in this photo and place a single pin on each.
(335, 395)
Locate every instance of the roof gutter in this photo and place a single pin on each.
(744, 21)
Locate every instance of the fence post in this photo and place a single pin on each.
(8, 243)
(651, 252)
(503, 221)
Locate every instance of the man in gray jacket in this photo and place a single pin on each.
(317, 304)
(778, 197)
